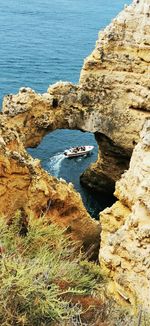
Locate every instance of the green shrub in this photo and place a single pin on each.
(41, 273)
(38, 272)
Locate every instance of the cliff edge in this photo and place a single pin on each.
(112, 100)
(25, 186)
(125, 237)
(115, 77)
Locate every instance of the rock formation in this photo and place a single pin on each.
(112, 100)
(26, 186)
(115, 77)
(125, 237)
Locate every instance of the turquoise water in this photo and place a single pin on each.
(44, 41)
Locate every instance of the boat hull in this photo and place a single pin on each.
(73, 152)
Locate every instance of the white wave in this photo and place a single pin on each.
(55, 163)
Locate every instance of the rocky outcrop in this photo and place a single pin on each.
(125, 238)
(34, 115)
(115, 77)
(112, 99)
(112, 161)
(26, 186)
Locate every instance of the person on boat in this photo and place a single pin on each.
(75, 150)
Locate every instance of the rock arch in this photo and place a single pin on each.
(113, 101)
(112, 98)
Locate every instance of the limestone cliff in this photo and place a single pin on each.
(125, 238)
(115, 77)
(112, 99)
(25, 185)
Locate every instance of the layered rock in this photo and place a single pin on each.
(111, 100)
(24, 185)
(125, 238)
(115, 77)
(34, 115)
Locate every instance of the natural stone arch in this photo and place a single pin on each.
(112, 99)
(34, 115)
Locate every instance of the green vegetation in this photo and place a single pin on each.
(46, 281)
(40, 272)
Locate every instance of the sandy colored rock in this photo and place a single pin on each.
(125, 237)
(25, 185)
(111, 100)
(115, 77)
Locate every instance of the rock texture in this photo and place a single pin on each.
(34, 114)
(125, 238)
(112, 99)
(115, 77)
(25, 185)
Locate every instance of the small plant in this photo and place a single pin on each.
(46, 281)
(40, 272)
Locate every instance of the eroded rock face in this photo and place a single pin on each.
(112, 161)
(115, 77)
(34, 114)
(111, 100)
(26, 186)
(125, 238)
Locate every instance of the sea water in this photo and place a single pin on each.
(44, 41)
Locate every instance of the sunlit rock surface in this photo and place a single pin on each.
(111, 100)
(125, 238)
(115, 78)
(26, 186)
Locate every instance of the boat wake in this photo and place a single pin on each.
(79, 159)
(54, 163)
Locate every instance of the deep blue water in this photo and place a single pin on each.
(50, 151)
(41, 42)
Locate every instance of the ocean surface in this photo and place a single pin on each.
(44, 41)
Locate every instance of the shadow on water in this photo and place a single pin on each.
(50, 152)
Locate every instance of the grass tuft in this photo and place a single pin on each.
(39, 274)
(46, 281)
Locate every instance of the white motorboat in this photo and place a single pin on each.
(78, 151)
